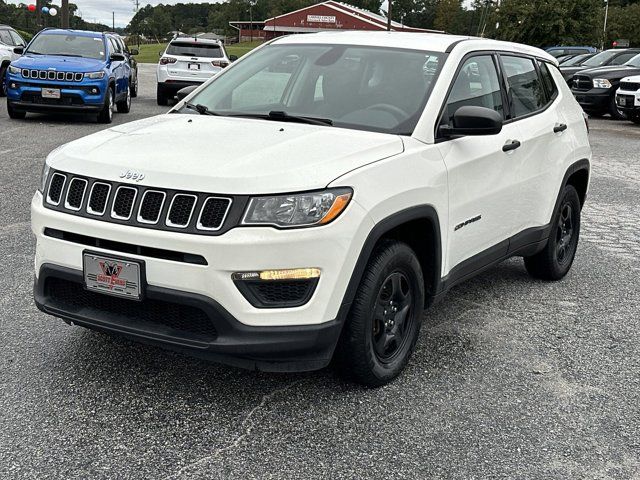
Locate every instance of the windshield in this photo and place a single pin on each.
(576, 60)
(365, 88)
(634, 62)
(193, 49)
(67, 45)
(600, 59)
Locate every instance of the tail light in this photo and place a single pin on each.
(167, 60)
(220, 63)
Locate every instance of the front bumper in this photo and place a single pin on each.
(266, 338)
(630, 100)
(596, 100)
(75, 97)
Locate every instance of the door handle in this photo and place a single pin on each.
(509, 146)
(560, 127)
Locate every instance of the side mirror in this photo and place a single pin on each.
(233, 58)
(185, 92)
(117, 57)
(18, 50)
(160, 54)
(134, 51)
(470, 120)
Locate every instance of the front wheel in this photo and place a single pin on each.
(106, 114)
(555, 261)
(384, 321)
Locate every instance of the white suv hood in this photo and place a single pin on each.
(224, 155)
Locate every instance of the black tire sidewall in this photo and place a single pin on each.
(570, 196)
(3, 84)
(368, 368)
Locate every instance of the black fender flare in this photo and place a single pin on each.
(418, 212)
(583, 164)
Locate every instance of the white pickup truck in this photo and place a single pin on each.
(628, 97)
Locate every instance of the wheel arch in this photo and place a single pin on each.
(419, 227)
(577, 175)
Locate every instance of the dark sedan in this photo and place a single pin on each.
(595, 89)
(617, 56)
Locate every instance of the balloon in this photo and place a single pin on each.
(53, 12)
(31, 8)
(45, 10)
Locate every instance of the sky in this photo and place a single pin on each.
(100, 10)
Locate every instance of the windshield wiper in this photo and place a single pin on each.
(201, 109)
(283, 117)
(67, 55)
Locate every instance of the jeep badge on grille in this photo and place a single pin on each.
(129, 175)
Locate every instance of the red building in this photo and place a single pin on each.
(330, 15)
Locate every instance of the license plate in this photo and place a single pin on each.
(194, 66)
(113, 276)
(623, 101)
(50, 93)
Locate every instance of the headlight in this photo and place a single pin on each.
(44, 177)
(298, 209)
(94, 75)
(13, 69)
(601, 83)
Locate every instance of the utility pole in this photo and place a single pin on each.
(39, 13)
(113, 21)
(388, 15)
(604, 28)
(64, 14)
(137, 2)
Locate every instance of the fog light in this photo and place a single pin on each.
(289, 274)
(13, 85)
(94, 91)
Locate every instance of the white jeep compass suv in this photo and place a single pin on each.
(310, 201)
(188, 61)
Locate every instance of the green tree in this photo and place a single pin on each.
(448, 15)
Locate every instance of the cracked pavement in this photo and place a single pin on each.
(512, 378)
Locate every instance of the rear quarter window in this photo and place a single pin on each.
(548, 81)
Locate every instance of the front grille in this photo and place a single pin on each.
(629, 86)
(166, 318)
(151, 206)
(188, 212)
(98, 198)
(123, 203)
(55, 188)
(181, 210)
(53, 75)
(213, 213)
(277, 293)
(75, 193)
(581, 82)
(66, 99)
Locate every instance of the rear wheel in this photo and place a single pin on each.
(106, 114)
(162, 97)
(15, 114)
(133, 82)
(555, 261)
(384, 321)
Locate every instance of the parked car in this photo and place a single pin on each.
(131, 59)
(70, 71)
(560, 51)
(310, 201)
(628, 98)
(617, 56)
(576, 60)
(595, 89)
(9, 40)
(189, 61)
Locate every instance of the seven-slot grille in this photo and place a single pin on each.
(52, 75)
(630, 86)
(137, 205)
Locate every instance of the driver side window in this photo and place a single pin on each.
(477, 85)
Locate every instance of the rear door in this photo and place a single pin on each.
(546, 145)
(481, 173)
(197, 60)
(118, 67)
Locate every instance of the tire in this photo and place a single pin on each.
(133, 82)
(15, 114)
(614, 111)
(106, 114)
(3, 81)
(162, 98)
(374, 347)
(124, 106)
(555, 261)
(635, 118)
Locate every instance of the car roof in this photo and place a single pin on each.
(434, 42)
(79, 33)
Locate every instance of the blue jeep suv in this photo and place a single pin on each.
(71, 70)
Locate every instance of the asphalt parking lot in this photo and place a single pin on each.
(512, 378)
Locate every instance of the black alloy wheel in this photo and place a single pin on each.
(564, 234)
